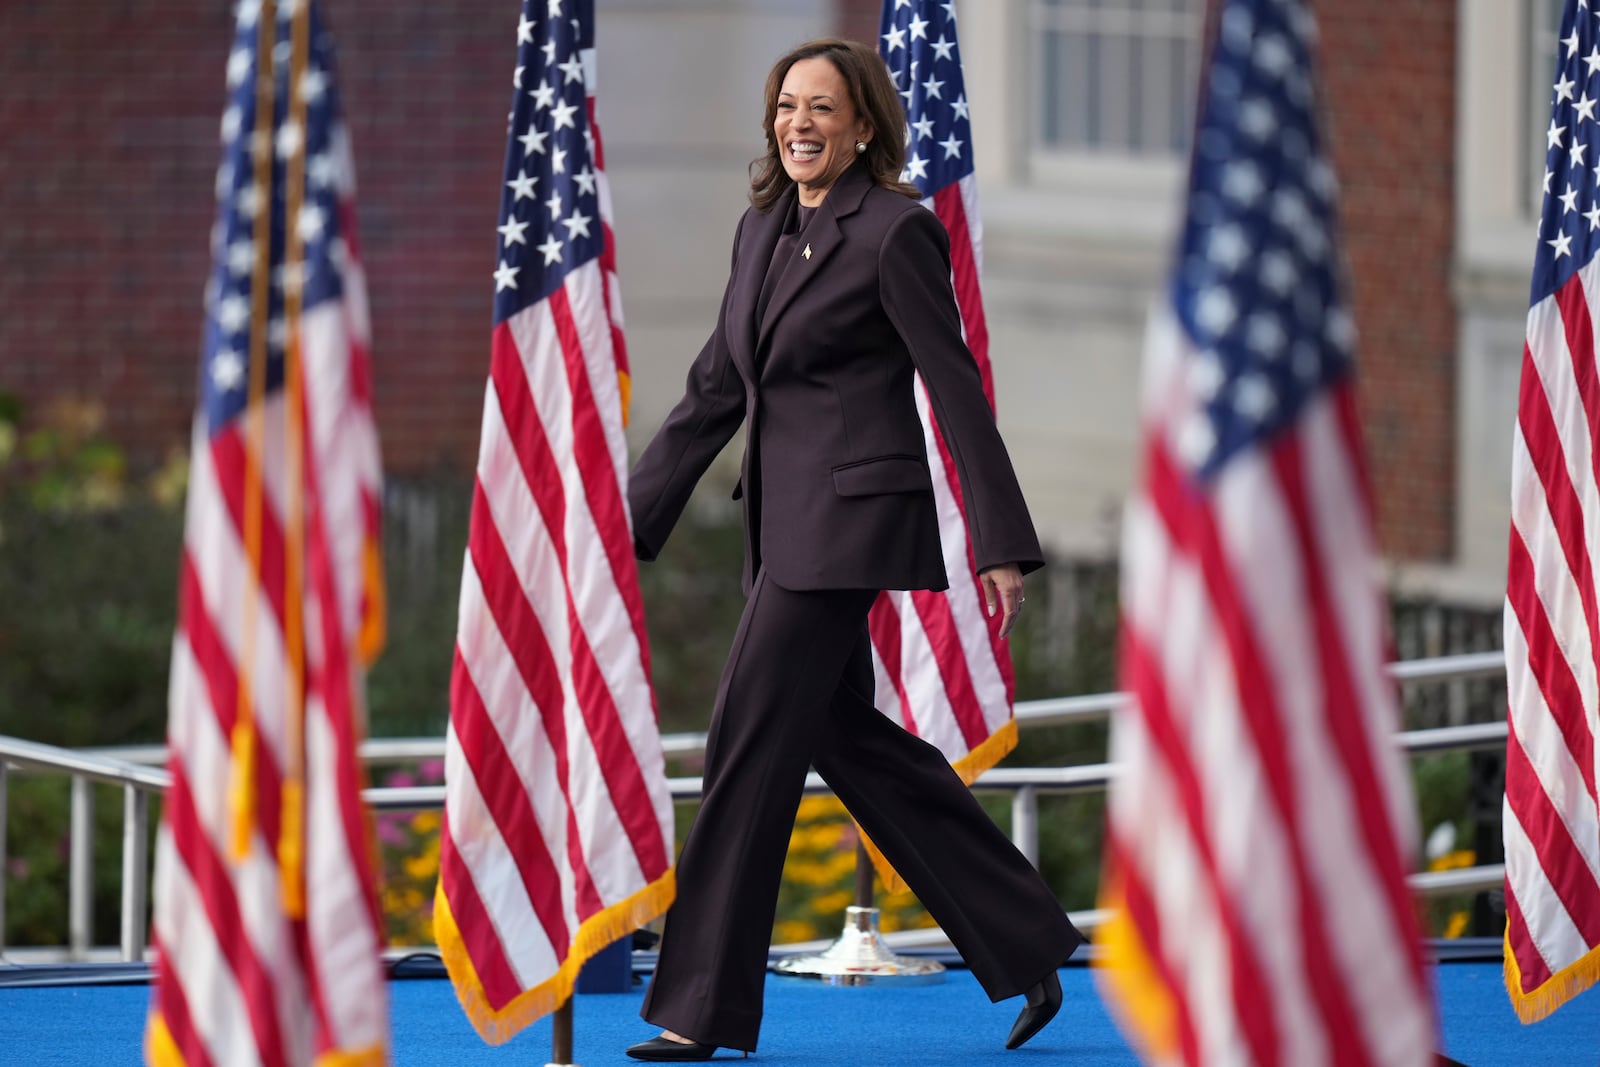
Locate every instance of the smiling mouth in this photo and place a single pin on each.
(804, 151)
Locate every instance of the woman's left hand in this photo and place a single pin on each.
(1005, 584)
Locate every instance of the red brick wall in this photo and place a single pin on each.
(108, 150)
(1389, 70)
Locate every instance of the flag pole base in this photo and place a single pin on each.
(861, 957)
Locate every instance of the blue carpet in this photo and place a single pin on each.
(806, 1024)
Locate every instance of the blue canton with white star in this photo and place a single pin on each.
(242, 205)
(1569, 226)
(1257, 287)
(917, 39)
(550, 203)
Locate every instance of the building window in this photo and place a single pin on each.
(1544, 28)
(1115, 77)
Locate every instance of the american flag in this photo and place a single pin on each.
(558, 823)
(1552, 625)
(942, 668)
(265, 919)
(1258, 834)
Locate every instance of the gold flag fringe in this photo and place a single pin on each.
(498, 1025)
(1538, 1003)
(1139, 998)
(996, 748)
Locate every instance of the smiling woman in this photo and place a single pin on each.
(840, 295)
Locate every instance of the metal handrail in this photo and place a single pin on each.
(132, 768)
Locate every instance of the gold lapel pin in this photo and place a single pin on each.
(807, 253)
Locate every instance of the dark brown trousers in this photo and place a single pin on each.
(796, 692)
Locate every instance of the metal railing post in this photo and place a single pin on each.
(135, 870)
(4, 864)
(1025, 822)
(80, 877)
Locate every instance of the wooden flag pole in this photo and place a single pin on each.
(561, 1036)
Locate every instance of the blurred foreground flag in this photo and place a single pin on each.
(1258, 834)
(558, 823)
(1552, 624)
(942, 669)
(266, 919)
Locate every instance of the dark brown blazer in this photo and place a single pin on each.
(836, 486)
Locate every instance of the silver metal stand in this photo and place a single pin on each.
(860, 956)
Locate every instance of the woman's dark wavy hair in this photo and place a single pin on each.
(872, 93)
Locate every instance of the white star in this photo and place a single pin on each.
(1241, 182)
(1272, 55)
(1548, 174)
(1278, 273)
(321, 170)
(932, 87)
(898, 4)
(554, 8)
(247, 12)
(1257, 119)
(1575, 153)
(1569, 199)
(525, 31)
(562, 114)
(1592, 60)
(1564, 87)
(1215, 311)
(516, 77)
(513, 232)
(1593, 215)
(287, 9)
(227, 370)
(248, 201)
(577, 225)
(949, 11)
(952, 147)
(554, 204)
(1562, 244)
(941, 47)
(1253, 397)
(232, 118)
(1572, 43)
(289, 139)
(239, 64)
(311, 223)
(1340, 329)
(1205, 375)
(551, 249)
(1584, 108)
(1227, 247)
(558, 162)
(924, 127)
(917, 167)
(241, 257)
(313, 83)
(1265, 334)
(585, 180)
(959, 106)
(549, 50)
(1553, 134)
(895, 38)
(572, 68)
(918, 27)
(532, 141)
(232, 313)
(505, 276)
(522, 186)
(224, 184)
(543, 96)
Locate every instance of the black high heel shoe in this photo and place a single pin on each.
(1044, 1000)
(666, 1049)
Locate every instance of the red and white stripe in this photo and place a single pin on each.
(241, 981)
(942, 668)
(1552, 639)
(1257, 830)
(558, 835)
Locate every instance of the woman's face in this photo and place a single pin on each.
(817, 127)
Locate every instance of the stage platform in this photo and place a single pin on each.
(92, 1015)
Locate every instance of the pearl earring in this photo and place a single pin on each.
(861, 146)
